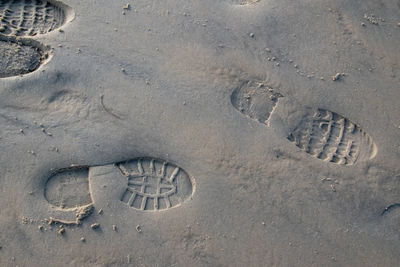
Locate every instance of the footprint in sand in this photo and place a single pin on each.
(27, 18)
(32, 17)
(323, 134)
(20, 56)
(67, 192)
(144, 184)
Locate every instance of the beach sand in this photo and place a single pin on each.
(200, 133)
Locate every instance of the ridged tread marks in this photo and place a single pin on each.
(154, 184)
(333, 138)
(29, 17)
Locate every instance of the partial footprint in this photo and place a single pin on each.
(321, 133)
(67, 190)
(255, 100)
(20, 56)
(32, 17)
(144, 184)
(154, 184)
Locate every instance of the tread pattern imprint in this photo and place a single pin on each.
(321, 133)
(154, 184)
(331, 137)
(26, 18)
(29, 17)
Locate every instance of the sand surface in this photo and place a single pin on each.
(200, 133)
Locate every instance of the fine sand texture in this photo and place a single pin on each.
(199, 133)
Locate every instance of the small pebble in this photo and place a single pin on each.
(95, 226)
(252, 35)
(61, 231)
(333, 188)
(336, 77)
